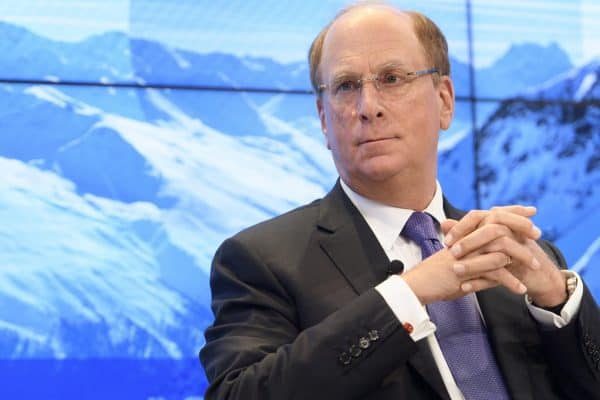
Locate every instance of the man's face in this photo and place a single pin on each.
(375, 137)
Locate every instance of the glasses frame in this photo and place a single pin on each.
(376, 79)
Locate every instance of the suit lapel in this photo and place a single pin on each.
(347, 239)
(451, 211)
(349, 242)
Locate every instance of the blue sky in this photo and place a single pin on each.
(283, 30)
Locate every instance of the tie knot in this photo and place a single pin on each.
(420, 227)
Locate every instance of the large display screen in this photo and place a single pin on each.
(138, 134)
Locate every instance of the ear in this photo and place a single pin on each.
(446, 101)
(321, 112)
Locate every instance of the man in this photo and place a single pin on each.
(309, 306)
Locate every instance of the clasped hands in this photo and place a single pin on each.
(487, 248)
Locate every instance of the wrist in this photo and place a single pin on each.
(555, 297)
(412, 283)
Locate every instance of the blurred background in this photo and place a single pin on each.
(136, 135)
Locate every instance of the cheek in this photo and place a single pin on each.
(424, 115)
(338, 128)
(339, 118)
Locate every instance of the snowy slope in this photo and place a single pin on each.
(131, 275)
(548, 154)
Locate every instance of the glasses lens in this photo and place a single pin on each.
(390, 85)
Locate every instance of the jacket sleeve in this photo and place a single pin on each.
(574, 350)
(255, 349)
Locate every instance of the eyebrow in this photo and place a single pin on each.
(345, 74)
(391, 65)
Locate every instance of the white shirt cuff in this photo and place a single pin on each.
(569, 310)
(406, 306)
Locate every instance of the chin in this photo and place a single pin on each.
(380, 170)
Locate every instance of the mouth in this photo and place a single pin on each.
(376, 140)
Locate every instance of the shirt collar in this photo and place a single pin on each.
(387, 222)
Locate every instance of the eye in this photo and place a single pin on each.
(391, 78)
(346, 86)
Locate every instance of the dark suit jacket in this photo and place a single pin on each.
(294, 296)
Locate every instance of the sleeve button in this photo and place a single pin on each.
(364, 343)
(355, 351)
(345, 358)
(373, 335)
(408, 327)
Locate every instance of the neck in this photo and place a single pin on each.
(404, 191)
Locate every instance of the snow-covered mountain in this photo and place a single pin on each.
(522, 67)
(114, 57)
(577, 84)
(109, 211)
(548, 154)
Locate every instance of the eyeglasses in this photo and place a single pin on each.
(389, 84)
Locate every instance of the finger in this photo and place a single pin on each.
(473, 219)
(475, 285)
(508, 280)
(524, 211)
(477, 266)
(517, 223)
(447, 225)
(466, 225)
(492, 279)
(479, 238)
(520, 253)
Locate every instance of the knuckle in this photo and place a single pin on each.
(493, 247)
(500, 259)
(531, 258)
(499, 230)
(456, 231)
(476, 214)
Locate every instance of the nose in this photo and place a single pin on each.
(369, 107)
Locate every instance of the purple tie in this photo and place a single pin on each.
(460, 331)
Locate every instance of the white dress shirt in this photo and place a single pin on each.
(387, 222)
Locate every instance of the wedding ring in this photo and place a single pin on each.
(508, 260)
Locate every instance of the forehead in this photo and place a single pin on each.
(366, 38)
